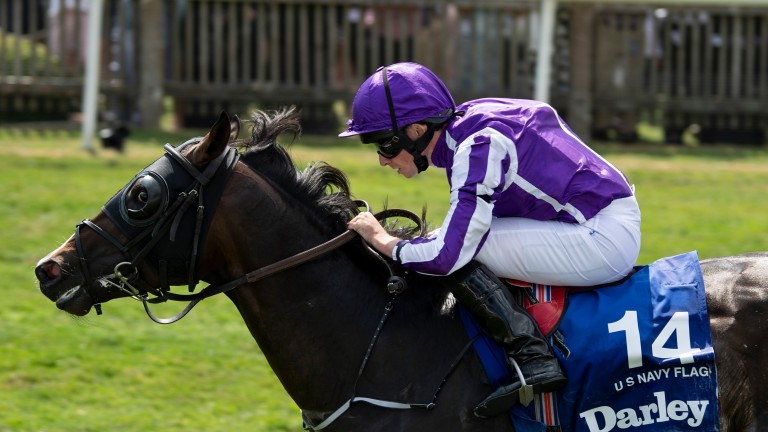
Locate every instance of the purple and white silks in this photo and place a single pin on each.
(511, 158)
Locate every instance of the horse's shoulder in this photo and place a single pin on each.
(428, 302)
(429, 293)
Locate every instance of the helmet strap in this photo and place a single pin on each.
(390, 104)
(415, 148)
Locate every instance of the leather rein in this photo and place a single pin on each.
(395, 283)
(125, 276)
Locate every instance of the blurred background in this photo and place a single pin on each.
(674, 93)
(677, 71)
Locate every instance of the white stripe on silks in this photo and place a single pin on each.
(427, 252)
(458, 177)
(500, 146)
(479, 224)
(450, 142)
(480, 220)
(539, 194)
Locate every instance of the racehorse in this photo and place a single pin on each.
(248, 222)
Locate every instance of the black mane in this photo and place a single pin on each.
(322, 188)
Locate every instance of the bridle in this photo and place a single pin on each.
(156, 233)
(150, 211)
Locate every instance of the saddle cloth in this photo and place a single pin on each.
(638, 355)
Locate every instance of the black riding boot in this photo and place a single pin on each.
(477, 288)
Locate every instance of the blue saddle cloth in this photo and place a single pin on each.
(641, 356)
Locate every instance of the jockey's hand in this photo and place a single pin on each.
(373, 233)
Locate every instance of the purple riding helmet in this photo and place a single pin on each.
(412, 94)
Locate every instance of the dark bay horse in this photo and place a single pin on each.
(315, 322)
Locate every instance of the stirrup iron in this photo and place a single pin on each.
(525, 394)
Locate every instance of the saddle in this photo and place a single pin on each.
(545, 303)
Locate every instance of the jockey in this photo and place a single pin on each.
(529, 201)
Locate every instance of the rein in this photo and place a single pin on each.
(125, 276)
(394, 284)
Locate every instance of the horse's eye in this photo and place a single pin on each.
(143, 196)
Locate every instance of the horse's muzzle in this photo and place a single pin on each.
(48, 273)
(69, 297)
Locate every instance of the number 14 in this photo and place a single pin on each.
(677, 325)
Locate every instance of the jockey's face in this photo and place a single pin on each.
(403, 161)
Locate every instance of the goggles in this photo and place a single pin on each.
(387, 144)
(389, 147)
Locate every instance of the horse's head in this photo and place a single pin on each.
(148, 236)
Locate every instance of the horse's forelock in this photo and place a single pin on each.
(268, 125)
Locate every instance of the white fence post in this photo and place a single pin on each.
(92, 62)
(544, 52)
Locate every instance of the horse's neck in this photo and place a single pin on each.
(313, 323)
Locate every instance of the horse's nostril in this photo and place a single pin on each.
(48, 271)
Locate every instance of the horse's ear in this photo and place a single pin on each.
(216, 140)
(234, 128)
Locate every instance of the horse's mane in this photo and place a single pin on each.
(322, 188)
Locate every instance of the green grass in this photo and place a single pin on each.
(121, 372)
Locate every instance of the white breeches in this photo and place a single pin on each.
(602, 250)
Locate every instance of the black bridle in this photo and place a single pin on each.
(166, 192)
(155, 233)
